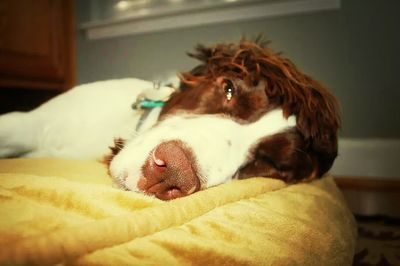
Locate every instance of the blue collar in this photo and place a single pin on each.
(147, 104)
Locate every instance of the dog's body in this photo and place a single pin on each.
(81, 123)
(245, 111)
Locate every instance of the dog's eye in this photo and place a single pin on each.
(229, 89)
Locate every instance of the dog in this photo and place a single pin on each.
(244, 111)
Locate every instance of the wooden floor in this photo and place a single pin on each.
(376, 205)
(371, 196)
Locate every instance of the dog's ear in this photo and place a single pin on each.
(318, 120)
(315, 107)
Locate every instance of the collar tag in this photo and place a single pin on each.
(147, 104)
(152, 98)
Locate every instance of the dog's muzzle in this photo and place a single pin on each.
(169, 172)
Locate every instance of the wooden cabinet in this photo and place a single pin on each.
(37, 51)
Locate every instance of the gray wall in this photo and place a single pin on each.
(355, 51)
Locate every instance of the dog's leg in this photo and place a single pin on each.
(17, 135)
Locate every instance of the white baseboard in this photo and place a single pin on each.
(368, 158)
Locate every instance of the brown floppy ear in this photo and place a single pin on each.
(318, 120)
(315, 107)
(309, 150)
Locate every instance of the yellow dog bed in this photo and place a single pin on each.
(66, 212)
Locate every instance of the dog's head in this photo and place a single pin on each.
(244, 111)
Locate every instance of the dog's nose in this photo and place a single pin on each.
(169, 171)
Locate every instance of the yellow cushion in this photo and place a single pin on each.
(66, 211)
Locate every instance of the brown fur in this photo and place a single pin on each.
(119, 143)
(264, 80)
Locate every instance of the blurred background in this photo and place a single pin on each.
(352, 46)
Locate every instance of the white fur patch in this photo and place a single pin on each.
(80, 123)
(219, 144)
